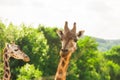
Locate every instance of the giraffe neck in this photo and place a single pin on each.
(62, 67)
(7, 73)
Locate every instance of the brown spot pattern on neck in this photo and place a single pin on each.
(6, 65)
(6, 75)
(6, 56)
(62, 67)
(5, 50)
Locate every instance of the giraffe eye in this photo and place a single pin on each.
(16, 50)
(75, 40)
(61, 39)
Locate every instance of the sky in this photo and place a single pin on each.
(99, 18)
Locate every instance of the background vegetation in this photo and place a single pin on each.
(91, 61)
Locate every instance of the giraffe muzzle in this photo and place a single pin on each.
(26, 59)
(64, 50)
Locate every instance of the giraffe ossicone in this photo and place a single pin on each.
(12, 50)
(68, 40)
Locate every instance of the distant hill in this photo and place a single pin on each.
(105, 45)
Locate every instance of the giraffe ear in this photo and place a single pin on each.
(60, 33)
(7, 45)
(80, 33)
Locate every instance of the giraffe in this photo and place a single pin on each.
(68, 40)
(12, 50)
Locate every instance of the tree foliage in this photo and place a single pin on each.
(42, 45)
(90, 63)
(53, 50)
(28, 72)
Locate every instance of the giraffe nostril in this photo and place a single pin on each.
(64, 50)
(26, 58)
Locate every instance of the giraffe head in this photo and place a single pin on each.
(15, 52)
(69, 38)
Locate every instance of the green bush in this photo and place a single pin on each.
(28, 72)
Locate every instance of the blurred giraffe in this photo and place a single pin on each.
(12, 50)
(68, 39)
